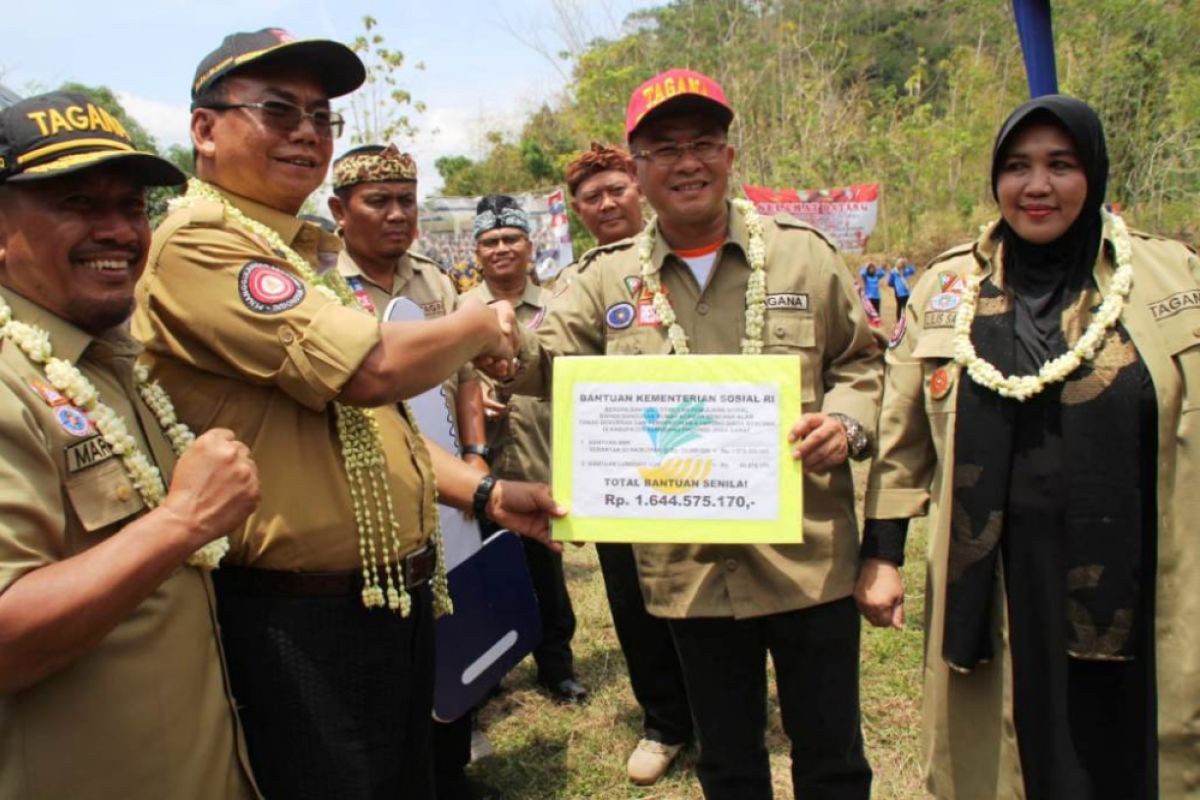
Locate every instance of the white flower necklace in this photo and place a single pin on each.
(74, 385)
(1023, 387)
(379, 545)
(756, 286)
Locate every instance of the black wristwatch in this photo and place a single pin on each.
(483, 493)
(481, 450)
(856, 435)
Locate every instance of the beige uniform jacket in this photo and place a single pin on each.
(812, 311)
(969, 739)
(146, 713)
(243, 343)
(419, 279)
(520, 441)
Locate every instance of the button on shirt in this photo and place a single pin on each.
(145, 713)
(271, 376)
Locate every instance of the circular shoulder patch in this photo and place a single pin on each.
(619, 316)
(268, 289)
(73, 421)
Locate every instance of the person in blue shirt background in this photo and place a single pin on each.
(871, 275)
(899, 279)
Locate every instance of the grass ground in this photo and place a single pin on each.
(544, 750)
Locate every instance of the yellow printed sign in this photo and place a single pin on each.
(679, 449)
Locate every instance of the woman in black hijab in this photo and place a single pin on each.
(1035, 407)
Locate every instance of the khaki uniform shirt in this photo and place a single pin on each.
(146, 713)
(242, 343)
(419, 279)
(813, 311)
(520, 441)
(969, 739)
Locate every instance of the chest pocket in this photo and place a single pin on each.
(634, 342)
(794, 333)
(935, 349)
(102, 495)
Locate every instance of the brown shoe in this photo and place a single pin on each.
(650, 760)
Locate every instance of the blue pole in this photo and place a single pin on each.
(1037, 43)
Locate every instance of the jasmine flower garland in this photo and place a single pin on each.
(1023, 387)
(756, 286)
(74, 385)
(362, 452)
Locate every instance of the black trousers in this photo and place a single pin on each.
(553, 656)
(654, 671)
(815, 652)
(335, 699)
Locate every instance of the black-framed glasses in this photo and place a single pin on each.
(706, 150)
(508, 240)
(286, 117)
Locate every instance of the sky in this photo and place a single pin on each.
(483, 69)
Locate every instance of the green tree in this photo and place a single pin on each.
(377, 109)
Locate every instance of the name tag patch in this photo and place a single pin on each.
(88, 453)
(267, 289)
(1170, 306)
(435, 309)
(788, 302)
(939, 319)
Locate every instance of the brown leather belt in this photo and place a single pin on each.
(417, 567)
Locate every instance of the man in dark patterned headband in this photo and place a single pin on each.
(519, 428)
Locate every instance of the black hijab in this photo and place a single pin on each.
(1042, 275)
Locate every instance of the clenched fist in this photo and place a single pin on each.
(215, 486)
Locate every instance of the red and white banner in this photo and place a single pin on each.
(846, 215)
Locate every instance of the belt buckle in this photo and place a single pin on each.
(418, 567)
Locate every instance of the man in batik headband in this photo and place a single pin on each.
(111, 682)
(374, 203)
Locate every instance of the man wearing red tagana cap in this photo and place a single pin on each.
(735, 282)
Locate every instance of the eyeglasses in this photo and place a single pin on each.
(286, 117)
(707, 150)
(508, 240)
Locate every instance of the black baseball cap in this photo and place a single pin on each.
(57, 133)
(338, 68)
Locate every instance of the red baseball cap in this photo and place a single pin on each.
(680, 90)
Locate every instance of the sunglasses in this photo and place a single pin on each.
(286, 117)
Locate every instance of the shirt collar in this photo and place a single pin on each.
(68, 341)
(736, 234)
(531, 296)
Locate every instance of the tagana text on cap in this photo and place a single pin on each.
(679, 90)
(336, 66)
(56, 133)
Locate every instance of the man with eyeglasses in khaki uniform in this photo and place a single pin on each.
(328, 594)
(728, 607)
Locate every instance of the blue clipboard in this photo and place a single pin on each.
(495, 622)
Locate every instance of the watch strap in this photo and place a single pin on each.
(483, 493)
